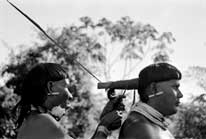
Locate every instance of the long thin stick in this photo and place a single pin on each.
(51, 39)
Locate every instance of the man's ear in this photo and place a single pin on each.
(155, 91)
(153, 88)
(150, 89)
(49, 86)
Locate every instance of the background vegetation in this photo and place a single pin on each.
(100, 46)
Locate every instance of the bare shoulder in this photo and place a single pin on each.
(48, 122)
(45, 118)
(136, 126)
(41, 126)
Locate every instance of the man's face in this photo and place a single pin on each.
(60, 88)
(170, 99)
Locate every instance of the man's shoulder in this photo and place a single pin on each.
(136, 125)
(137, 118)
(45, 118)
(41, 125)
(48, 122)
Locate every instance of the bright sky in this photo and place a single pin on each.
(186, 19)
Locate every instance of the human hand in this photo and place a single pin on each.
(115, 103)
(111, 120)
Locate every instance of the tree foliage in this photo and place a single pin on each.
(198, 73)
(88, 43)
(127, 42)
(191, 119)
(7, 101)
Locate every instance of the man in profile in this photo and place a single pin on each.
(159, 97)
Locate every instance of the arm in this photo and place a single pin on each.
(109, 122)
(109, 118)
(99, 134)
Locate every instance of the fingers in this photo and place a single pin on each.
(118, 101)
(114, 104)
(118, 98)
(111, 93)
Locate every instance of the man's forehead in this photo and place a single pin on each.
(171, 82)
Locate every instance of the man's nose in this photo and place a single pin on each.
(179, 95)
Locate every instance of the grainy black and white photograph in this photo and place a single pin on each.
(102, 69)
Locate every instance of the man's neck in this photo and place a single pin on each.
(155, 106)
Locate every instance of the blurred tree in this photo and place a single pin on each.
(128, 43)
(94, 45)
(80, 84)
(198, 73)
(7, 100)
(190, 122)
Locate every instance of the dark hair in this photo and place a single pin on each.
(34, 88)
(156, 73)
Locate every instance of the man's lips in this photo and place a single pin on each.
(177, 103)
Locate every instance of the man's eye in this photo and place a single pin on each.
(176, 86)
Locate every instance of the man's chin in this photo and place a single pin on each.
(171, 112)
(174, 110)
(63, 105)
